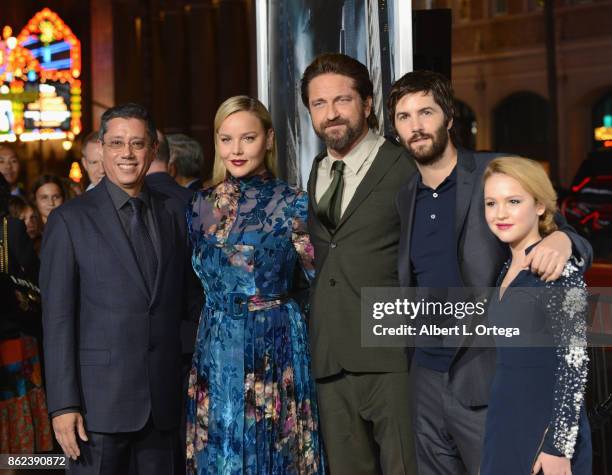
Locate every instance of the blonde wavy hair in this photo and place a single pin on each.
(533, 178)
(238, 104)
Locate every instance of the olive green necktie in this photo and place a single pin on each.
(330, 205)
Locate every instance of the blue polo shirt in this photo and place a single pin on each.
(433, 254)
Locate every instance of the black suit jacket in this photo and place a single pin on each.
(195, 185)
(480, 255)
(163, 183)
(112, 349)
(362, 252)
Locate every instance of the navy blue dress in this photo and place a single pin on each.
(537, 394)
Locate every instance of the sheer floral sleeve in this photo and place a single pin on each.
(566, 309)
(301, 238)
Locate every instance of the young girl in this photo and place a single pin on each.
(536, 421)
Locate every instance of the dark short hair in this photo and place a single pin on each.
(130, 110)
(163, 150)
(91, 137)
(8, 147)
(337, 63)
(186, 154)
(426, 82)
(46, 179)
(17, 204)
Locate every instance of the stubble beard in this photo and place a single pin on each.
(344, 141)
(428, 154)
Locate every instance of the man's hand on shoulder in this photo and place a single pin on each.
(66, 426)
(549, 257)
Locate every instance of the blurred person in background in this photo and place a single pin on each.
(73, 188)
(158, 177)
(92, 159)
(24, 424)
(21, 209)
(9, 167)
(186, 161)
(47, 194)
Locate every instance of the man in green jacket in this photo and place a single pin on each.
(363, 393)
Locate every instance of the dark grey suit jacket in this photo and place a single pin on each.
(112, 349)
(481, 256)
(164, 184)
(362, 252)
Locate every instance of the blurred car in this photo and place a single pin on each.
(588, 207)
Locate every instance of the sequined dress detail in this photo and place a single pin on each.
(537, 395)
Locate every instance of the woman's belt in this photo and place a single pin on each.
(237, 305)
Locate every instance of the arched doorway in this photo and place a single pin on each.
(521, 125)
(465, 126)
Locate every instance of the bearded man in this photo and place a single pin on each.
(363, 392)
(445, 242)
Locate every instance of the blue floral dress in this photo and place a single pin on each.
(252, 403)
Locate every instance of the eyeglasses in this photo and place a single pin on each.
(116, 144)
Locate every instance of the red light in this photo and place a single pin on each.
(594, 216)
(607, 143)
(581, 185)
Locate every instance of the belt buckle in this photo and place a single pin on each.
(238, 305)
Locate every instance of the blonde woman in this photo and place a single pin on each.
(536, 421)
(252, 404)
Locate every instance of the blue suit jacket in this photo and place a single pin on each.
(111, 347)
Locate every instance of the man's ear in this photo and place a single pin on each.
(154, 149)
(270, 139)
(367, 107)
(172, 169)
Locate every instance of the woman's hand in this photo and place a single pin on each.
(552, 465)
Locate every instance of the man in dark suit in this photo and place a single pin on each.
(354, 228)
(186, 161)
(158, 177)
(91, 158)
(112, 284)
(445, 242)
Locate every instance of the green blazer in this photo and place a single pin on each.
(362, 252)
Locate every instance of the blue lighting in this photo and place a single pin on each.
(30, 40)
(607, 120)
(32, 76)
(59, 64)
(46, 54)
(50, 50)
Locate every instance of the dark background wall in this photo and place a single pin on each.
(179, 58)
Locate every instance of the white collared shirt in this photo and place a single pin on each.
(357, 164)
